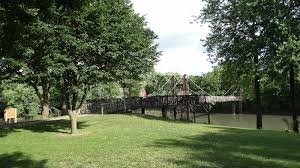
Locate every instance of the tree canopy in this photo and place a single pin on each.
(246, 35)
(77, 44)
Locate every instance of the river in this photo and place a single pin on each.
(270, 122)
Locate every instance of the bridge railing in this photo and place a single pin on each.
(116, 105)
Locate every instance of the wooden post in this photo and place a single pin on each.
(142, 106)
(181, 112)
(194, 117)
(163, 112)
(233, 108)
(143, 110)
(16, 117)
(124, 100)
(208, 114)
(102, 109)
(175, 112)
(124, 105)
(188, 113)
(5, 118)
(240, 107)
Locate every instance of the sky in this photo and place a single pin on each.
(179, 40)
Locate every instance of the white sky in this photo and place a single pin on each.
(179, 40)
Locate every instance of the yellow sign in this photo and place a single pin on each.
(10, 113)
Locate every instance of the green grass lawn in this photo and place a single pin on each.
(138, 141)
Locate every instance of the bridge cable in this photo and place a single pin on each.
(161, 88)
(228, 90)
(200, 88)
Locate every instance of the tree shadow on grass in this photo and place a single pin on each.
(59, 126)
(236, 148)
(19, 160)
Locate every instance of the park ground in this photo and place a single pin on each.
(144, 141)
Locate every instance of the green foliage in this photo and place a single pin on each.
(156, 83)
(255, 40)
(103, 42)
(22, 97)
(75, 45)
(289, 53)
(110, 90)
(209, 83)
(246, 35)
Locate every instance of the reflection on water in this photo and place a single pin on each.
(270, 122)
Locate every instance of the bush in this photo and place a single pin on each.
(22, 97)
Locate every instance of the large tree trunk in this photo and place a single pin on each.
(73, 118)
(43, 98)
(65, 99)
(45, 109)
(258, 103)
(257, 95)
(64, 107)
(292, 99)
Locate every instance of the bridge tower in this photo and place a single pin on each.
(173, 86)
(186, 92)
(186, 87)
(174, 93)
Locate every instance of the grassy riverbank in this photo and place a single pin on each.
(139, 141)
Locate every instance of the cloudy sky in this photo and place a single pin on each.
(178, 38)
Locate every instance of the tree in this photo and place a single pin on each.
(245, 36)
(236, 38)
(290, 58)
(28, 45)
(102, 41)
(77, 43)
(211, 83)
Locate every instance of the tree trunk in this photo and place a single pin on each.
(73, 118)
(45, 109)
(257, 95)
(258, 103)
(292, 99)
(65, 98)
(43, 98)
(64, 108)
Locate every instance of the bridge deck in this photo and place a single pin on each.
(157, 101)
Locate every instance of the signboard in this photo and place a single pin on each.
(10, 113)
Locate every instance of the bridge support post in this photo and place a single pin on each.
(208, 114)
(175, 113)
(194, 112)
(188, 113)
(233, 108)
(143, 110)
(142, 106)
(240, 107)
(163, 112)
(208, 118)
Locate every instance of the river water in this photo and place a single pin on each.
(270, 122)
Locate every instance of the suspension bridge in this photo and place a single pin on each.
(181, 99)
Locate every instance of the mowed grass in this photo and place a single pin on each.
(141, 141)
